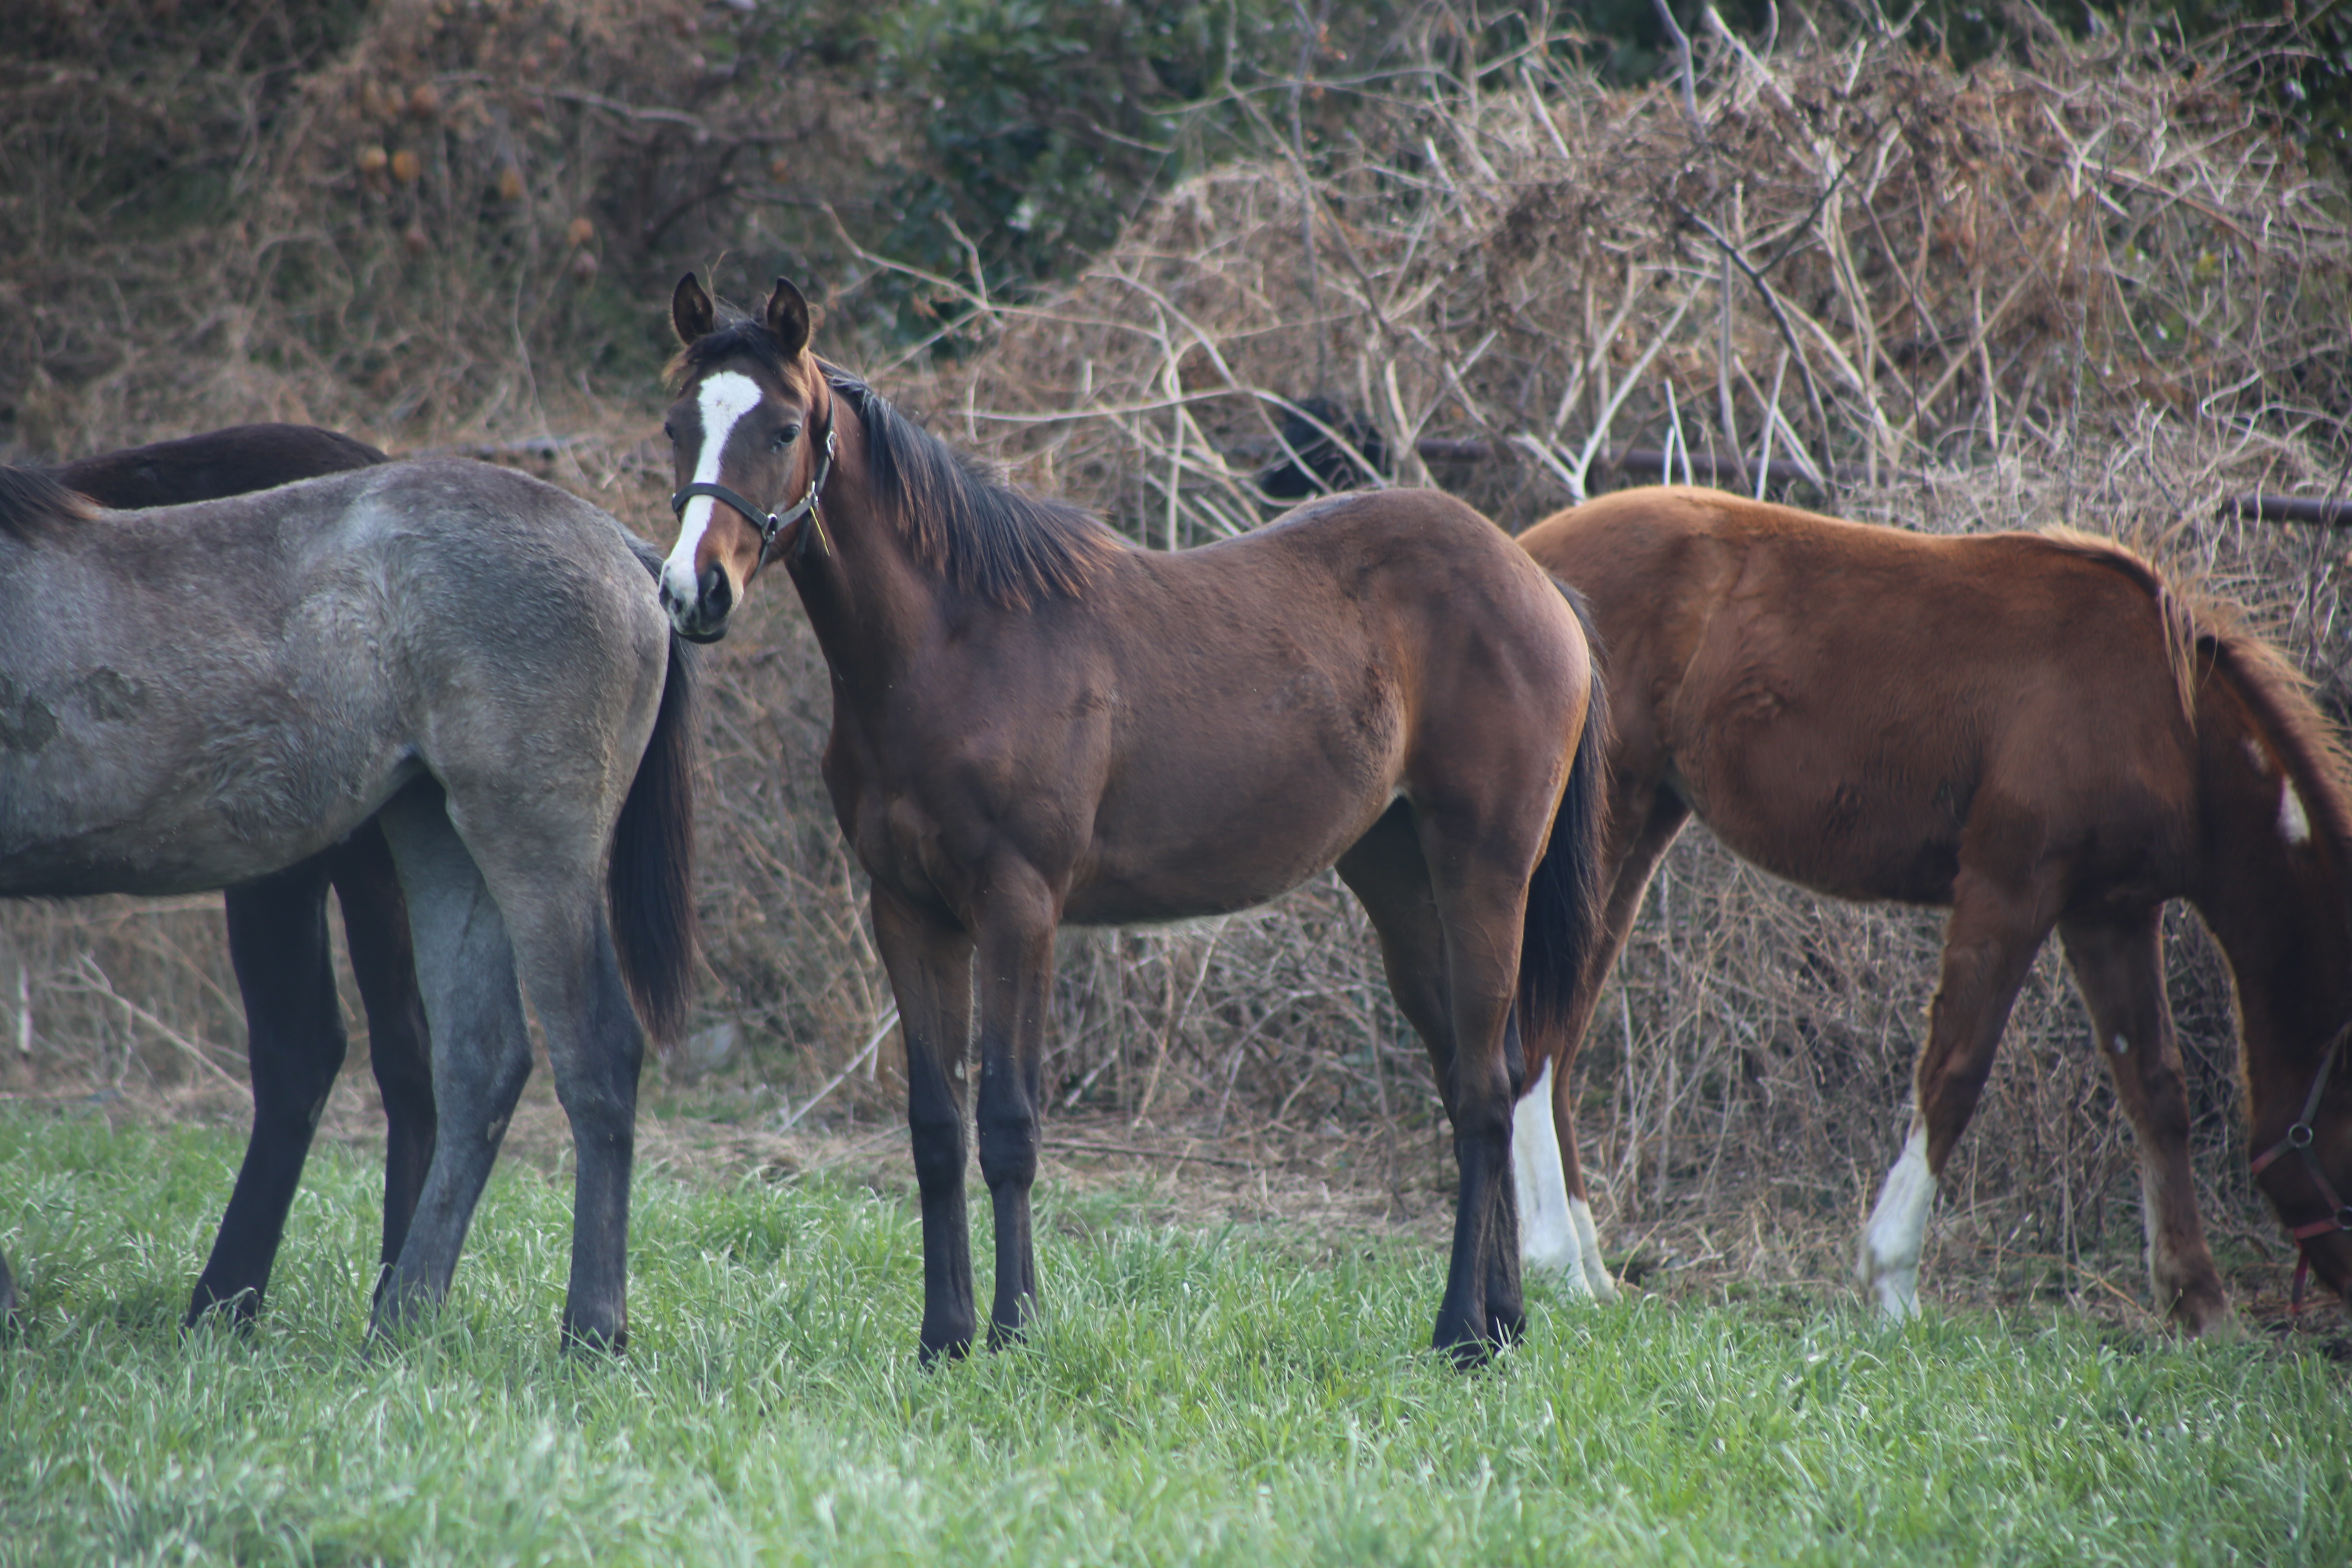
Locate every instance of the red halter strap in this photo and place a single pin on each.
(2298, 1139)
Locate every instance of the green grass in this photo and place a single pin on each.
(1250, 1394)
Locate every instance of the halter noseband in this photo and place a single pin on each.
(769, 523)
(2298, 1140)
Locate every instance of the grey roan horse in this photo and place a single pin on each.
(196, 697)
(278, 937)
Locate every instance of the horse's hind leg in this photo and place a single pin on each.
(2118, 963)
(1996, 928)
(482, 1055)
(597, 1050)
(1388, 869)
(541, 861)
(400, 1043)
(1643, 819)
(295, 1045)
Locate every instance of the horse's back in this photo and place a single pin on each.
(226, 687)
(235, 462)
(1249, 709)
(1839, 701)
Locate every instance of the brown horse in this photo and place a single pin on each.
(1033, 724)
(2035, 731)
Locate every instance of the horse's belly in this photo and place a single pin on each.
(1188, 864)
(1849, 838)
(185, 819)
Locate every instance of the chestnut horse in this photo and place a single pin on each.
(202, 696)
(2035, 731)
(1035, 724)
(278, 939)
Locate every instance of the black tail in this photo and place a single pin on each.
(1566, 893)
(651, 885)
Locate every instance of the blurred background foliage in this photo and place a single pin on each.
(429, 200)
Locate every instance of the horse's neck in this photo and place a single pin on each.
(2272, 890)
(871, 603)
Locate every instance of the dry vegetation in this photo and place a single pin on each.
(2099, 288)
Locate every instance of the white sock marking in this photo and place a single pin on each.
(1596, 1273)
(1548, 1239)
(723, 399)
(1890, 1241)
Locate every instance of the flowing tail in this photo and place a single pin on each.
(650, 887)
(1565, 895)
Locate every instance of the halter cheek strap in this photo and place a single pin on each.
(769, 523)
(2298, 1140)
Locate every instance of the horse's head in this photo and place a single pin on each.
(751, 438)
(2306, 1172)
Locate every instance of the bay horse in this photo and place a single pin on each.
(1035, 724)
(277, 940)
(198, 697)
(2036, 730)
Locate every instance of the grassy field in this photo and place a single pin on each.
(1250, 1394)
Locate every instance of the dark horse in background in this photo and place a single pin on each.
(1035, 724)
(278, 939)
(470, 658)
(2035, 731)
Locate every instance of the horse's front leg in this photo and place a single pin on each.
(1016, 971)
(930, 963)
(1998, 923)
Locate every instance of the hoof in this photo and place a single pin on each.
(239, 1312)
(930, 1351)
(2205, 1314)
(596, 1338)
(1465, 1347)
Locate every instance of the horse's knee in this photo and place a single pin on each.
(939, 1150)
(1008, 1149)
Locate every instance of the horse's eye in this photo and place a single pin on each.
(786, 436)
(669, 432)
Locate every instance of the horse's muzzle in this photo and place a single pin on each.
(702, 619)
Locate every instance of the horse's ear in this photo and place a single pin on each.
(788, 317)
(690, 315)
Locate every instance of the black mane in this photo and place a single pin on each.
(963, 521)
(33, 503)
(959, 519)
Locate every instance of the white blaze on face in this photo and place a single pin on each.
(723, 400)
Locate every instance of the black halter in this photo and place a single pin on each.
(769, 523)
